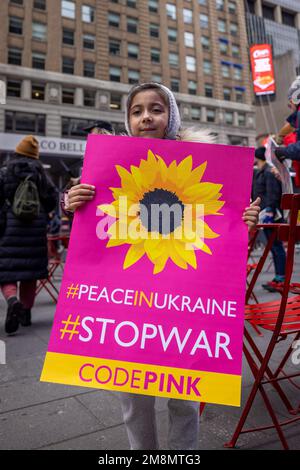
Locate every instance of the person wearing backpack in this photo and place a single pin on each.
(26, 197)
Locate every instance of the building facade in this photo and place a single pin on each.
(66, 63)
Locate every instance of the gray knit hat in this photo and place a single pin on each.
(294, 91)
(174, 116)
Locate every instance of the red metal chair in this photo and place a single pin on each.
(282, 318)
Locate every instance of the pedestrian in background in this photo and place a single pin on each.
(26, 197)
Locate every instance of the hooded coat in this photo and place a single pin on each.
(23, 245)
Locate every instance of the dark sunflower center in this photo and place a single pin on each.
(161, 211)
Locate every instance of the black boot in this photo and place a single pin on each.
(25, 319)
(14, 311)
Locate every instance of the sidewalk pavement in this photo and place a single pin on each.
(39, 415)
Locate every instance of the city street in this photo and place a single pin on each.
(35, 415)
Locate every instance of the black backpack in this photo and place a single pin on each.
(26, 203)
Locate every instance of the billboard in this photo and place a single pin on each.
(262, 69)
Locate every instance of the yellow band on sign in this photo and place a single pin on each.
(145, 379)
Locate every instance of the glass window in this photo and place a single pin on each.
(114, 46)
(192, 87)
(115, 101)
(236, 51)
(17, 2)
(156, 77)
(68, 36)
(190, 63)
(208, 90)
(14, 56)
(195, 113)
(227, 93)
(238, 140)
(202, 2)
(131, 3)
(233, 29)
(88, 69)
(222, 26)
(268, 12)
(132, 25)
(220, 5)
(68, 65)
(173, 59)
(114, 19)
(237, 73)
(288, 18)
(225, 70)
(71, 127)
(89, 98)
(205, 41)
(203, 21)
(172, 34)
(171, 11)
(13, 88)
(239, 95)
(133, 76)
(175, 85)
(38, 60)
(68, 9)
(241, 119)
(223, 48)
(189, 39)
(154, 30)
(228, 117)
(232, 7)
(39, 31)
(133, 51)
(207, 67)
(68, 95)
(115, 74)
(210, 115)
(24, 123)
(39, 4)
(155, 55)
(153, 6)
(89, 41)
(88, 14)
(187, 16)
(15, 25)
(38, 91)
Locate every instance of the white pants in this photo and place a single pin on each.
(140, 422)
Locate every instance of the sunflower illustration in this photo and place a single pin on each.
(155, 185)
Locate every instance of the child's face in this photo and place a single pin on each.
(148, 115)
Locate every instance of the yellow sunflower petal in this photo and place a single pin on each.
(133, 255)
(187, 255)
(202, 246)
(160, 263)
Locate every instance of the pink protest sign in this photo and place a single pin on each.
(152, 298)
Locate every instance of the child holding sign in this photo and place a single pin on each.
(152, 112)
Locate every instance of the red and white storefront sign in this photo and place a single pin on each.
(262, 69)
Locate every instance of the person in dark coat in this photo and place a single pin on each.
(268, 188)
(23, 244)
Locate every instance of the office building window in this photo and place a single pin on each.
(288, 18)
(208, 90)
(15, 25)
(131, 3)
(71, 127)
(268, 12)
(207, 67)
(203, 21)
(202, 2)
(195, 113)
(220, 5)
(229, 118)
(173, 59)
(132, 25)
(156, 77)
(241, 120)
(171, 11)
(14, 56)
(192, 87)
(88, 14)
(227, 93)
(39, 31)
(172, 34)
(187, 16)
(237, 73)
(232, 7)
(68, 36)
(240, 95)
(205, 42)
(24, 123)
(155, 55)
(114, 20)
(133, 76)
(236, 51)
(175, 84)
(68, 9)
(115, 101)
(233, 29)
(189, 39)
(68, 65)
(223, 47)
(190, 63)
(154, 30)
(38, 60)
(250, 6)
(89, 98)
(210, 115)
(39, 4)
(38, 91)
(17, 2)
(225, 70)
(114, 46)
(153, 6)
(13, 88)
(68, 95)
(133, 51)
(238, 140)
(88, 69)
(115, 74)
(88, 41)
(222, 26)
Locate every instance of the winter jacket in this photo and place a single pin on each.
(23, 245)
(268, 188)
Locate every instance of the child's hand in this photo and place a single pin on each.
(250, 215)
(79, 195)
